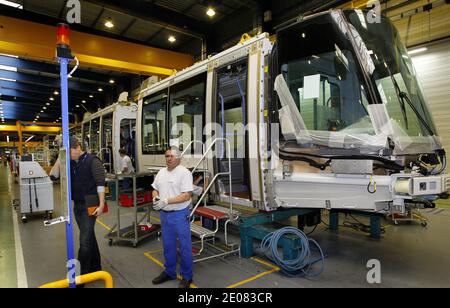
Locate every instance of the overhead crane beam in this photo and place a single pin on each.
(22, 127)
(36, 41)
(31, 129)
(13, 144)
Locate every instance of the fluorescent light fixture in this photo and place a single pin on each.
(109, 24)
(6, 55)
(7, 138)
(412, 52)
(55, 93)
(303, 35)
(48, 104)
(12, 4)
(172, 39)
(210, 12)
(8, 79)
(100, 90)
(91, 96)
(111, 81)
(78, 106)
(44, 107)
(29, 138)
(37, 117)
(8, 68)
(83, 101)
(51, 98)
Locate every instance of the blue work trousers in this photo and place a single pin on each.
(175, 226)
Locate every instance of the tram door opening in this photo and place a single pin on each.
(231, 111)
(107, 149)
(128, 138)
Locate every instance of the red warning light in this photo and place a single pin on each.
(62, 34)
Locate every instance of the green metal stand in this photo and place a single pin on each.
(375, 221)
(252, 228)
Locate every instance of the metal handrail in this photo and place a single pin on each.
(190, 145)
(227, 142)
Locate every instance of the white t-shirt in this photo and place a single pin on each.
(126, 163)
(171, 184)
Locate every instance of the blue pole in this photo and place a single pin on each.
(63, 62)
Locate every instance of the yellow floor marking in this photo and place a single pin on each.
(273, 270)
(103, 224)
(160, 264)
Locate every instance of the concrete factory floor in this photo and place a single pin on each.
(410, 255)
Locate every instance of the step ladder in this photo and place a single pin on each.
(214, 213)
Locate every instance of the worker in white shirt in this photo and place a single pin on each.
(127, 168)
(172, 197)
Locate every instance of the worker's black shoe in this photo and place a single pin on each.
(185, 284)
(163, 277)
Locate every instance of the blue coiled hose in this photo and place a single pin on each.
(301, 265)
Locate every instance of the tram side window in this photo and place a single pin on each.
(94, 136)
(154, 125)
(187, 101)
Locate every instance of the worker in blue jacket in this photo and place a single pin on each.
(87, 179)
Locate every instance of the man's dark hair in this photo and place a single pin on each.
(74, 142)
(122, 152)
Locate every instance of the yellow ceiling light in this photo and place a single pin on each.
(172, 39)
(210, 12)
(109, 24)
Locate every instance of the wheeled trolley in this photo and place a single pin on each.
(141, 227)
(36, 191)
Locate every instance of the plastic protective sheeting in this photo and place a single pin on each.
(404, 144)
(294, 126)
(360, 47)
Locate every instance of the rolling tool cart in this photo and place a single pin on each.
(141, 227)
